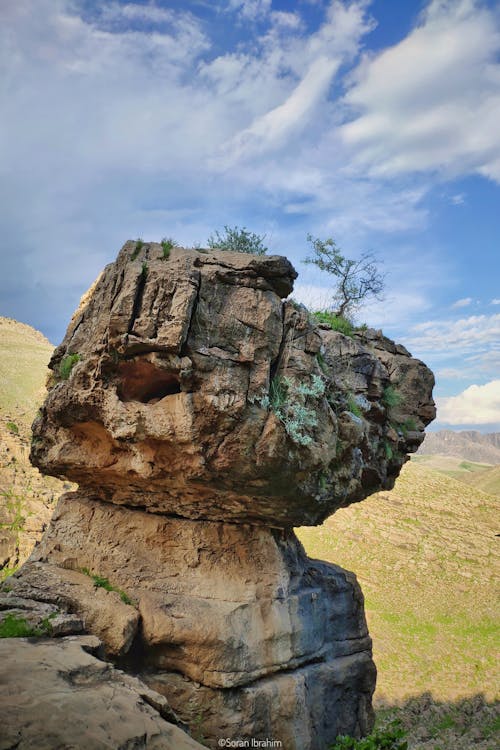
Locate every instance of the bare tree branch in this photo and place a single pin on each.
(358, 280)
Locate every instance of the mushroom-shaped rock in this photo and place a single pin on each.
(203, 415)
(187, 386)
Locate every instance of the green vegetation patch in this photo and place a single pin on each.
(335, 322)
(24, 354)
(12, 427)
(14, 504)
(66, 365)
(14, 626)
(139, 244)
(104, 583)
(472, 466)
(390, 397)
(167, 245)
(239, 240)
(290, 401)
(390, 737)
(5, 573)
(409, 425)
(353, 406)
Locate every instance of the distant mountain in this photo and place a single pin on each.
(467, 444)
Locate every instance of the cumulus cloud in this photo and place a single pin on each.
(495, 301)
(113, 115)
(477, 404)
(126, 119)
(465, 302)
(442, 107)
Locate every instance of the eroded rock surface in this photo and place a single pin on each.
(57, 694)
(197, 392)
(203, 417)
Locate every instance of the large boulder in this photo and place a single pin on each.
(203, 417)
(186, 386)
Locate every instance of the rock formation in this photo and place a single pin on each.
(203, 417)
(57, 694)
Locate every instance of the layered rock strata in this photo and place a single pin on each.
(203, 417)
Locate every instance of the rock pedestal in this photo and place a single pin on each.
(203, 418)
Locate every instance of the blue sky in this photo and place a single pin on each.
(376, 123)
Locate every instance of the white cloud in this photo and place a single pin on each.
(466, 334)
(116, 12)
(465, 302)
(485, 361)
(271, 129)
(431, 102)
(477, 404)
(251, 9)
(286, 19)
(125, 121)
(314, 297)
(458, 199)
(453, 373)
(495, 301)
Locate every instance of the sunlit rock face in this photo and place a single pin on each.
(197, 391)
(203, 417)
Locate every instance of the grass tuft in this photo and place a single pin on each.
(66, 365)
(390, 397)
(335, 322)
(139, 244)
(17, 627)
(167, 244)
(103, 583)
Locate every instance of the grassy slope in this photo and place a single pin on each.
(26, 498)
(24, 354)
(481, 476)
(488, 481)
(425, 555)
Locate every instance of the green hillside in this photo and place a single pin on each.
(24, 354)
(26, 497)
(488, 481)
(426, 556)
(480, 475)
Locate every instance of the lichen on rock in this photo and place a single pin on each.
(171, 405)
(203, 416)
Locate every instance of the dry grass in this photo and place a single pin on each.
(26, 498)
(24, 354)
(426, 557)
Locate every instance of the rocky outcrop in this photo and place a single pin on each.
(27, 500)
(57, 694)
(203, 418)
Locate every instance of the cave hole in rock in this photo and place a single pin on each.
(143, 381)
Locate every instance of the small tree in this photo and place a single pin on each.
(358, 280)
(238, 240)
